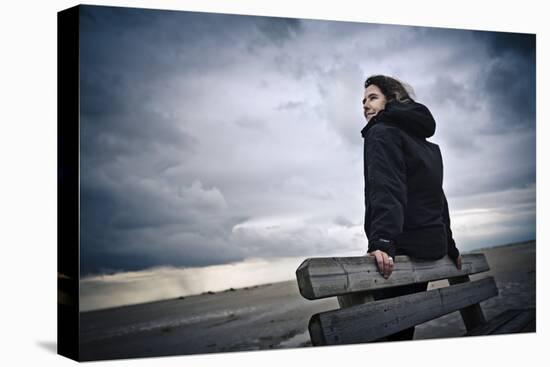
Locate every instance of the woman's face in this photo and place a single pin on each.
(374, 101)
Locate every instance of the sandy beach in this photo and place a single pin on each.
(271, 316)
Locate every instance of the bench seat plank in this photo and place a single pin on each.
(374, 320)
(334, 276)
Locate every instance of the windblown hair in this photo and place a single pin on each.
(393, 89)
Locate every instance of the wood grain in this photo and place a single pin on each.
(374, 320)
(334, 276)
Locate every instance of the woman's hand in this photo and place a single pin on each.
(384, 262)
(458, 262)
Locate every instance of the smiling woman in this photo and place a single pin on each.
(377, 87)
(406, 211)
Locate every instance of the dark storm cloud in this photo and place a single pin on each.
(144, 219)
(122, 108)
(478, 112)
(452, 91)
(104, 262)
(500, 43)
(117, 19)
(510, 86)
(127, 139)
(155, 44)
(501, 178)
(210, 138)
(278, 30)
(504, 84)
(159, 43)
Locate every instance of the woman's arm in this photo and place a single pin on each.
(452, 251)
(387, 187)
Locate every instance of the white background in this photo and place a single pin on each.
(28, 184)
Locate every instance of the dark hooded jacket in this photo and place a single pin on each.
(406, 211)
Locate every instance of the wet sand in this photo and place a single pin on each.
(271, 316)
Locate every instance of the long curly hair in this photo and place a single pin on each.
(392, 88)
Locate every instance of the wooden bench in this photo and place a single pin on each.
(362, 319)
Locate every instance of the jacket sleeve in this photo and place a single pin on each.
(387, 187)
(452, 251)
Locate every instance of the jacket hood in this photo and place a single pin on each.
(412, 117)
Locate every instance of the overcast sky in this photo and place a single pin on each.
(209, 139)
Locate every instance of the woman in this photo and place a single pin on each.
(406, 211)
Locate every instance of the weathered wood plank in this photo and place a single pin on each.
(333, 276)
(348, 300)
(374, 320)
(472, 316)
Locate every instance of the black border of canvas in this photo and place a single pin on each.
(68, 236)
